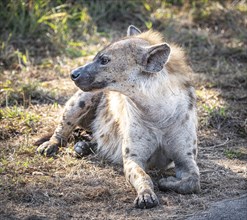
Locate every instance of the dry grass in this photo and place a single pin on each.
(33, 187)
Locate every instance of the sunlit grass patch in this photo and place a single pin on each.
(18, 113)
(215, 113)
(17, 120)
(21, 165)
(16, 91)
(212, 109)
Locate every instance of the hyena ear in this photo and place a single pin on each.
(156, 57)
(132, 30)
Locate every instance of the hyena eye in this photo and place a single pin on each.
(104, 60)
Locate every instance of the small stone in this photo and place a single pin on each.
(37, 173)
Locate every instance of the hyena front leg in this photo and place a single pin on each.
(187, 178)
(135, 156)
(79, 110)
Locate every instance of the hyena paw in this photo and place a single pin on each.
(48, 149)
(83, 149)
(168, 183)
(190, 184)
(146, 200)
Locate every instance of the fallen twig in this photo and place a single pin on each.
(221, 144)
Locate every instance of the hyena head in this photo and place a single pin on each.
(122, 64)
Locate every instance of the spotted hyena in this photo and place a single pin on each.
(136, 99)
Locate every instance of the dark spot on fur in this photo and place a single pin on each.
(133, 155)
(99, 85)
(191, 106)
(102, 135)
(96, 98)
(68, 123)
(149, 159)
(194, 142)
(187, 85)
(129, 176)
(72, 104)
(127, 150)
(189, 153)
(192, 100)
(149, 140)
(130, 169)
(87, 119)
(185, 119)
(194, 151)
(81, 104)
(134, 176)
(140, 172)
(107, 120)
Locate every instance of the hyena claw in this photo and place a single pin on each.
(146, 200)
(47, 149)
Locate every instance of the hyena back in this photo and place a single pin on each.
(136, 99)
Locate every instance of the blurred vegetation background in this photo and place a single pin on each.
(35, 29)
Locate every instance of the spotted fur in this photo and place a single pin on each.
(137, 100)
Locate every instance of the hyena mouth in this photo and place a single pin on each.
(88, 84)
(92, 86)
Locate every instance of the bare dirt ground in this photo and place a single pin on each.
(33, 187)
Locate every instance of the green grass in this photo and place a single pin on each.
(18, 121)
(16, 91)
(232, 154)
(55, 24)
(62, 26)
(40, 27)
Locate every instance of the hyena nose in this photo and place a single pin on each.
(75, 74)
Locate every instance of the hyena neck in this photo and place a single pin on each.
(156, 96)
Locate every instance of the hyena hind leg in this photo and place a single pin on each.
(187, 178)
(80, 110)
